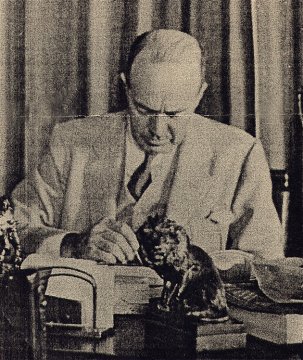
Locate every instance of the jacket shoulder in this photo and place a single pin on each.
(224, 137)
(84, 130)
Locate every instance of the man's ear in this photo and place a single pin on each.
(201, 93)
(123, 78)
(202, 90)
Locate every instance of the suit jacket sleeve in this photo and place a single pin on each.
(38, 201)
(257, 228)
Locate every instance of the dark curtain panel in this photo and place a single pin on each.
(12, 92)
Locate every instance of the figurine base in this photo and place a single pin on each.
(172, 330)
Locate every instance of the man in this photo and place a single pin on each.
(104, 175)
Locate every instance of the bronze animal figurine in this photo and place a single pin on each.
(192, 284)
(10, 250)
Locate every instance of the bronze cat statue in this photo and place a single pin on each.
(192, 284)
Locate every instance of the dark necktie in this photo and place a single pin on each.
(141, 178)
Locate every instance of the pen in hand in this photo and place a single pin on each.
(137, 256)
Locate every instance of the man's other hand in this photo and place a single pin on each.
(111, 242)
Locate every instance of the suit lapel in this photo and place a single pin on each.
(104, 174)
(193, 176)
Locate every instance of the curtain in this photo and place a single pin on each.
(12, 93)
(61, 59)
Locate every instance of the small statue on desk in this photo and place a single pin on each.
(192, 284)
(10, 250)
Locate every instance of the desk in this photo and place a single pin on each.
(131, 339)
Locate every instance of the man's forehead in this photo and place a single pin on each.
(159, 105)
(168, 85)
(167, 45)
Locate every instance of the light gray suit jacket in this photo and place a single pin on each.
(221, 188)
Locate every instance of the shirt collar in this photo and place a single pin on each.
(135, 156)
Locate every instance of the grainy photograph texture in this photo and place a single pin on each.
(151, 179)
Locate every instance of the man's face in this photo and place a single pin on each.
(161, 97)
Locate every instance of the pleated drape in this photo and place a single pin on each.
(12, 92)
(55, 69)
(74, 51)
(274, 73)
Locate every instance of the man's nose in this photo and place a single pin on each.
(159, 125)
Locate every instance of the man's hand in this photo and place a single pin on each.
(112, 242)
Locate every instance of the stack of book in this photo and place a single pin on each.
(133, 288)
(264, 318)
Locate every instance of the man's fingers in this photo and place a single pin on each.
(104, 242)
(130, 236)
(123, 243)
(102, 225)
(96, 254)
(119, 240)
(107, 257)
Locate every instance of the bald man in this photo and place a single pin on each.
(104, 175)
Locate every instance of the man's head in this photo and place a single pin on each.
(164, 81)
